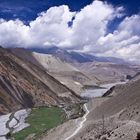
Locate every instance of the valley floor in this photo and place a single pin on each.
(110, 128)
(93, 130)
(41, 120)
(71, 129)
(12, 123)
(29, 123)
(49, 123)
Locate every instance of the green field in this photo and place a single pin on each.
(41, 120)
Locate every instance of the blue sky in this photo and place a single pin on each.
(103, 28)
(27, 10)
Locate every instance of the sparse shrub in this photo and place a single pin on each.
(138, 136)
(8, 135)
(108, 133)
(128, 77)
(98, 136)
(104, 138)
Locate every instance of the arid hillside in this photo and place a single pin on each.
(123, 99)
(116, 115)
(108, 72)
(61, 70)
(23, 84)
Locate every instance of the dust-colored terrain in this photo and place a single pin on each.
(62, 71)
(29, 79)
(117, 118)
(23, 85)
(108, 72)
(113, 117)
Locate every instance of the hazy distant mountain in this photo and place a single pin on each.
(72, 57)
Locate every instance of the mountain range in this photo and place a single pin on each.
(73, 56)
(55, 77)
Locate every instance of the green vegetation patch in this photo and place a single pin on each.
(41, 120)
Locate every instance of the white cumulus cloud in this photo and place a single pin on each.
(88, 32)
(123, 42)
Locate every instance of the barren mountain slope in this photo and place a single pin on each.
(117, 117)
(76, 57)
(23, 84)
(62, 71)
(125, 97)
(108, 72)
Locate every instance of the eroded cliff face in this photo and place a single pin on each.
(23, 85)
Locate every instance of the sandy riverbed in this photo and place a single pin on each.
(13, 122)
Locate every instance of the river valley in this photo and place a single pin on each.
(70, 129)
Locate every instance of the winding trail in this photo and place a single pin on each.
(95, 93)
(84, 118)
